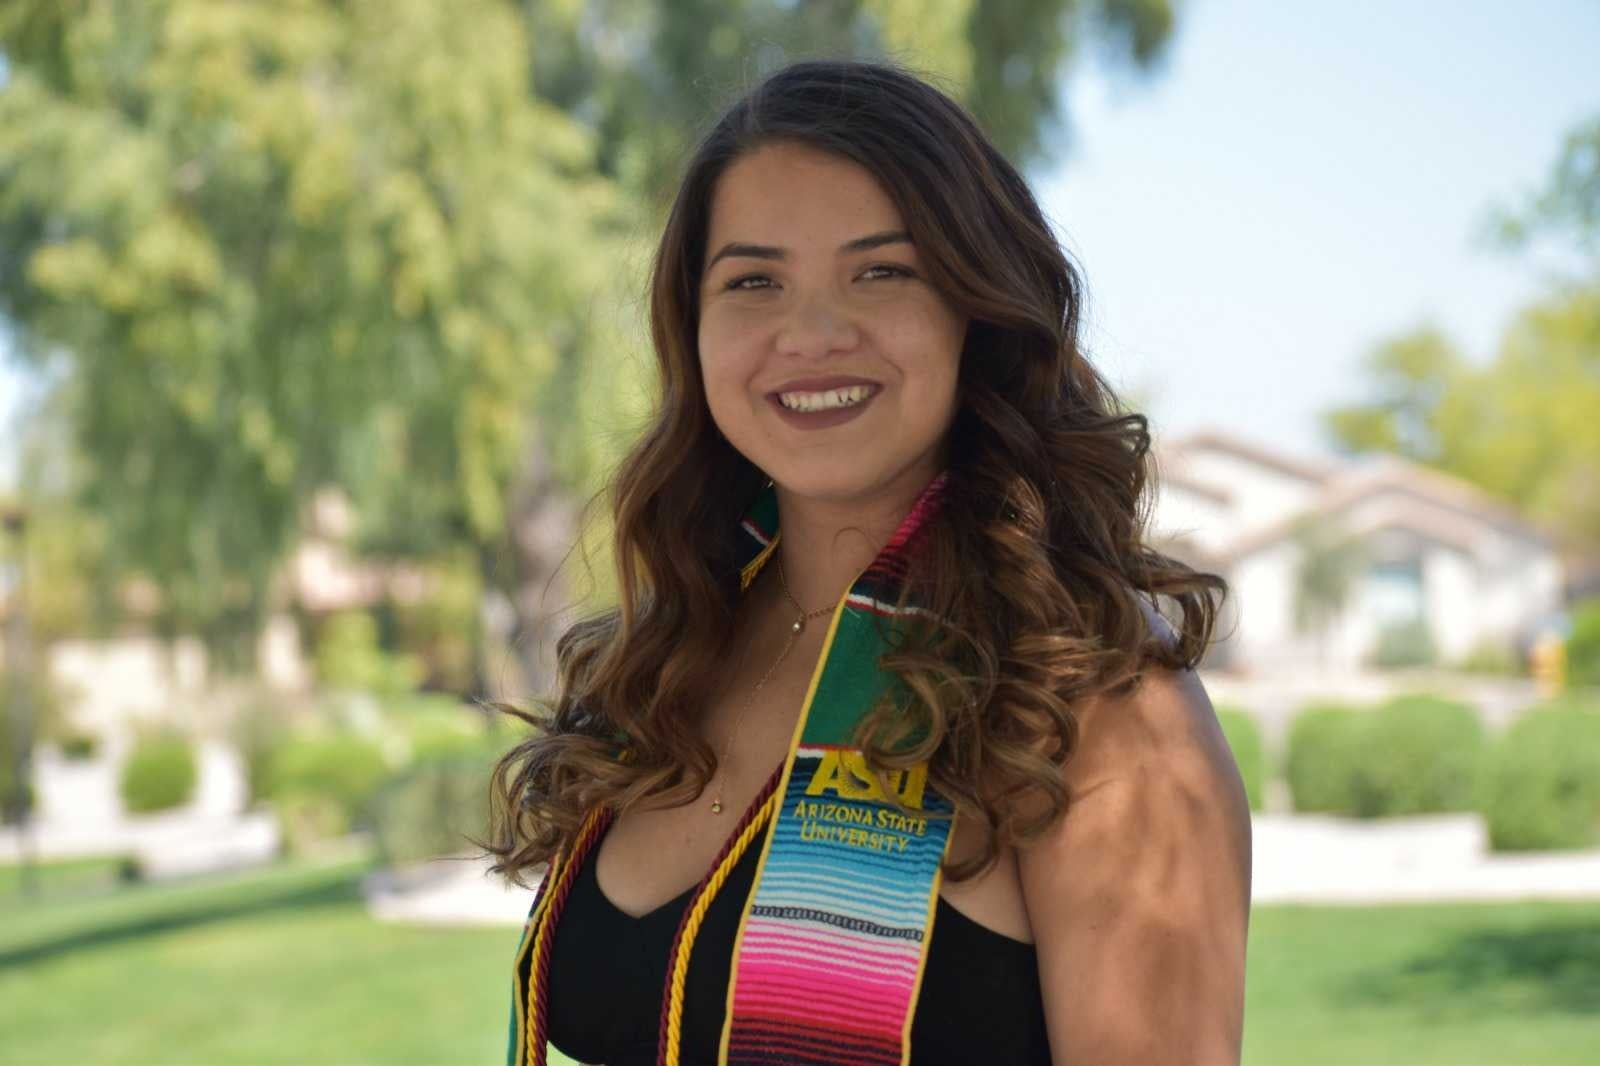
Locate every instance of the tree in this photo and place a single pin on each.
(1523, 427)
(649, 73)
(273, 241)
(391, 245)
(1330, 562)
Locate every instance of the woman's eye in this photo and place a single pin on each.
(738, 284)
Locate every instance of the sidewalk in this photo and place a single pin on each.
(1298, 859)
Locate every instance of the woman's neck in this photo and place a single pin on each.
(824, 544)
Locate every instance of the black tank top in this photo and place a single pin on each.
(980, 998)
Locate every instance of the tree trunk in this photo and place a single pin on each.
(542, 518)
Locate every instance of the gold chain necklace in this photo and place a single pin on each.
(802, 617)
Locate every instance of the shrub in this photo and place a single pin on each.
(1492, 657)
(1583, 644)
(324, 786)
(1419, 755)
(1324, 753)
(1244, 739)
(258, 731)
(1402, 644)
(160, 773)
(434, 806)
(79, 747)
(349, 656)
(1542, 783)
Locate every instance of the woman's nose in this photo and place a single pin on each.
(817, 325)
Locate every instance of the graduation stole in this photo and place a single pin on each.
(831, 946)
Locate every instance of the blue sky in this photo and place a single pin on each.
(1302, 181)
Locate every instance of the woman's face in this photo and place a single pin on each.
(807, 291)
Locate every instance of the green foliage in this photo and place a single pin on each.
(257, 732)
(1328, 564)
(1583, 645)
(348, 656)
(1416, 754)
(323, 786)
(160, 773)
(38, 718)
(441, 632)
(434, 806)
(79, 747)
(282, 246)
(1401, 644)
(1323, 760)
(1568, 205)
(1542, 784)
(1493, 657)
(1521, 427)
(1419, 755)
(1244, 739)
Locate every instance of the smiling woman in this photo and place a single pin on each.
(887, 753)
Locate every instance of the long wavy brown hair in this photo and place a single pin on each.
(1035, 579)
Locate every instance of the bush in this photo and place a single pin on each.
(160, 773)
(1542, 783)
(1583, 644)
(1493, 657)
(1420, 755)
(1324, 754)
(258, 732)
(1403, 644)
(323, 787)
(1244, 739)
(79, 747)
(1417, 754)
(433, 807)
(349, 656)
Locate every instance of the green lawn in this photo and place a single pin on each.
(284, 966)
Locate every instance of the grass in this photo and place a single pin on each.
(285, 966)
(1424, 985)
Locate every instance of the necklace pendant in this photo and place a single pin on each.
(799, 624)
(716, 806)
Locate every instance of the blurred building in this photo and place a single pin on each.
(1334, 564)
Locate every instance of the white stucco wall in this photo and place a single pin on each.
(1260, 494)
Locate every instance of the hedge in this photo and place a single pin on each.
(434, 807)
(324, 786)
(1583, 645)
(1416, 754)
(1244, 738)
(1420, 755)
(1324, 753)
(160, 774)
(1542, 784)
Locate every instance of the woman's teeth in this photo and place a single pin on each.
(825, 400)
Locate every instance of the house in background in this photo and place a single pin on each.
(1422, 552)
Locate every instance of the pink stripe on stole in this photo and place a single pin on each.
(784, 999)
(852, 968)
(806, 947)
(856, 983)
(818, 975)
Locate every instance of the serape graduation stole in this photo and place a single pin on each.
(831, 946)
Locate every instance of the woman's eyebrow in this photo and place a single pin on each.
(768, 251)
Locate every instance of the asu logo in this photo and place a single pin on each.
(845, 774)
